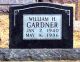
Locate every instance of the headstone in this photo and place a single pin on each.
(41, 25)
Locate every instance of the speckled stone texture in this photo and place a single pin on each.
(5, 4)
(39, 54)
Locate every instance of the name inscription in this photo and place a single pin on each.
(42, 26)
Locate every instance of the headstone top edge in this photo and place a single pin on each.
(39, 4)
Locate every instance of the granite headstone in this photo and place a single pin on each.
(41, 25)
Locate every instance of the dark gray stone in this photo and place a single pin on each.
(39, 54)
(5, 4)
(19, 55)
(24, 39)
(16, 1)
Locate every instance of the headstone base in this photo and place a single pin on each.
(39, 54)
